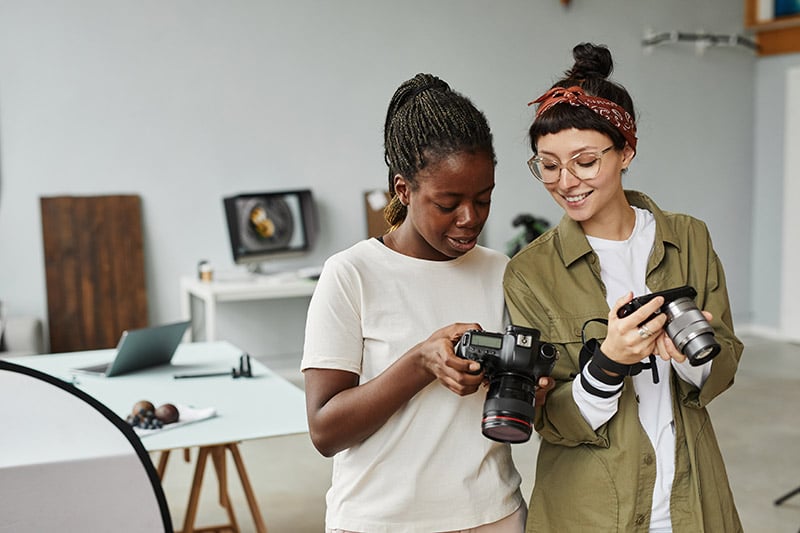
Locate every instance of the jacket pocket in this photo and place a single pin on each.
(565, 333)
(574, 491)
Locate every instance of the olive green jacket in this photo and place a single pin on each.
(602, 481)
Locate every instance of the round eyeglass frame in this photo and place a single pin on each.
(561, 166)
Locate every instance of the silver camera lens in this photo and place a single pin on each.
(690, 331)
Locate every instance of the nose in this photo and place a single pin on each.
(566, 178)
(467, 216)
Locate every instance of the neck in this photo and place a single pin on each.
(616, 226)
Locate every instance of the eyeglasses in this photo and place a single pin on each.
(584, 166)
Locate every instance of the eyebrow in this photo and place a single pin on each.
(456, 194)
(581, 150)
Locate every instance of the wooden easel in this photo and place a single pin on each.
(217, 453)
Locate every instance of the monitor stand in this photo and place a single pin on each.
(264, 268)
(260, 272)
(258, 269)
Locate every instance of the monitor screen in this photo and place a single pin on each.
(267, 225)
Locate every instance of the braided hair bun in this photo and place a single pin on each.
(425, 122)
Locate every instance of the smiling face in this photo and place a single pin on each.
(447, 208)
(599, 204)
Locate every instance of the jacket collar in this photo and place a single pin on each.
(573, 242)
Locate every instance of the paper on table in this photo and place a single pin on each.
(187, 414)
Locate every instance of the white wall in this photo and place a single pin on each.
(768, 192)
(186, 101)
(790, 282)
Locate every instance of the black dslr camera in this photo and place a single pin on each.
(513, 362)
(686, 325)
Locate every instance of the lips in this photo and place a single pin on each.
(463, 244)
(576, 198)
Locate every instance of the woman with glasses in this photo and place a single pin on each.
(386, 395)
(627, 444)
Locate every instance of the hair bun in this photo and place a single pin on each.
(591, 61)
(423, 82)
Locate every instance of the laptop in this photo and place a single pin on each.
(141, 348)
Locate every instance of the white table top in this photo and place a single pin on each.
(253, 287)
(265, 405)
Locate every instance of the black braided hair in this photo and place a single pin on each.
(427, 121)
(593, 65)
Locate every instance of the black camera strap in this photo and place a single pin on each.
(652, 366)
(590, 351)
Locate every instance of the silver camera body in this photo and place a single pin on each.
(686, 326)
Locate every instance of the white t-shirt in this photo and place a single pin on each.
(623, 268)
(428, 468)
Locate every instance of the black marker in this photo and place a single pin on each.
(244, 371)
(209, 375)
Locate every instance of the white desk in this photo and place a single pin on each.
(237, 290)
(265, 405)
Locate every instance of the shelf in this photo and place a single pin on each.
(777, 36)
(775, 24)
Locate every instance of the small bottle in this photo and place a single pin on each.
(204, 271)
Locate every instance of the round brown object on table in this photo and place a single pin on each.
(142, 406)
(167, 413)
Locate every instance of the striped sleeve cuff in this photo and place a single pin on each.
(597, 383)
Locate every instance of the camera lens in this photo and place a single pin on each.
(508, 410)
(705, 351)
(690, 331)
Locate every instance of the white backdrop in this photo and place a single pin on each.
(790, 295)
(186, 101)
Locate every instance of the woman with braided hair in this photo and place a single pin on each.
(627, 442)
(386, 395)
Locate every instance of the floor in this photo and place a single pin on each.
(757, 423)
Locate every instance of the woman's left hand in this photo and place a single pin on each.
(667, 350)
(545, 385)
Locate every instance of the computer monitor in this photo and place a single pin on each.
(270, 225)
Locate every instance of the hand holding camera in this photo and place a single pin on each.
(637, 335)
(686, 325)
(513, 362)
(436, 358)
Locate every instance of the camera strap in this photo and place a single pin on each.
(590, 351)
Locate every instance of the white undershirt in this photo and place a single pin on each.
(623, 268)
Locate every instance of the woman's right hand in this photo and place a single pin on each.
(342, 411)
(626, 341)
(437, 356)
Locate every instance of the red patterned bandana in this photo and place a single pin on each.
(607, 109)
